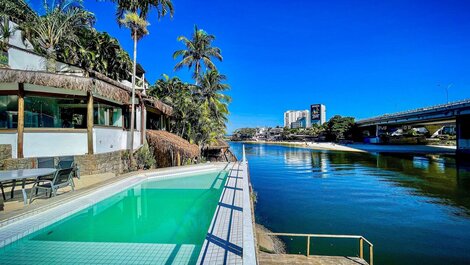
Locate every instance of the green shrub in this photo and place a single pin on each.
(144, 157)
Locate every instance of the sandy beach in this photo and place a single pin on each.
(357, 147)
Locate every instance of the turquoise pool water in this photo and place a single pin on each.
(165, 218)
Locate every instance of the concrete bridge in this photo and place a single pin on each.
(457, 113)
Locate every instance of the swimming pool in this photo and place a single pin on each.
(155, 221)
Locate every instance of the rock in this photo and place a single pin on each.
(267, 243)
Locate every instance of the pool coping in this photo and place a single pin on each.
(17, 227)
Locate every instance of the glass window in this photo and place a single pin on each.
(107, 115)
(51, 112)
(127, 118)
(8, 112)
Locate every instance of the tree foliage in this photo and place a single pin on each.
(59, 26)
(199, 52)
(200, 111)
(245, 133)
(339, 128)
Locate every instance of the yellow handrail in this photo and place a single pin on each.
(361, 242)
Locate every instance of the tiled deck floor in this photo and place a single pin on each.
(224, 241)
(60, 252)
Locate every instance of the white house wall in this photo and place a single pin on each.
(43, 144)
(113, 139)
(108, 139)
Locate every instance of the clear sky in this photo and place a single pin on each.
(359, 58)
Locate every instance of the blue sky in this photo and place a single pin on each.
(359, 58)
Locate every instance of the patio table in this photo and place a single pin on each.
(23, 174)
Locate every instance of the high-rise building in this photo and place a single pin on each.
(318, 114)
(292, 118)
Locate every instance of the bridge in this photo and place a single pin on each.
(457, 113)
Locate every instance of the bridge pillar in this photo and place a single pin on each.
(463, 134)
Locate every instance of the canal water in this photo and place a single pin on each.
(414, 208)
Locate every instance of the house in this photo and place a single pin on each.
(69, 112)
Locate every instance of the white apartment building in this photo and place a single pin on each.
(301, 118)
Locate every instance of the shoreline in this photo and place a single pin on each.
(364, 148)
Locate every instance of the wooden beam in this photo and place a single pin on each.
(20, 127)
(89, 123)
(142, 123)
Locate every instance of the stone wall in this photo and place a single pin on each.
(5, 151)
(19, 163)
(101, 163)
(115, 162)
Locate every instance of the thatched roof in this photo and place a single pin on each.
(217, 145)
(171, 150)
(163, 140)
(157, 104)
(96, 86)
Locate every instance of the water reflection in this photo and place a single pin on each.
(437, 176)
(444, 177)
(414, 208)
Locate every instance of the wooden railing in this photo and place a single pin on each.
(360, 238)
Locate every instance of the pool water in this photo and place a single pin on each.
(169, 212)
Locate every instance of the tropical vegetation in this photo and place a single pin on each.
(201, 109)
(64, 31)
(133, 15)
(199, 52)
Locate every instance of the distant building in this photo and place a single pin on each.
(318, 114)
(292, 119)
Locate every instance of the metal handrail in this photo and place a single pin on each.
(361, 242)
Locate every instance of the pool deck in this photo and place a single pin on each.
(230, 239)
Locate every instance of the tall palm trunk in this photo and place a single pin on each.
(50, 60)
(133, 94)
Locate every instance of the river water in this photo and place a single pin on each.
(414, 208)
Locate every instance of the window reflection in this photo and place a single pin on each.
(54, 112)
(8, 112)
(107, 115)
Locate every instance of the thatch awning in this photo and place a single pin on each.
(217, 145)
(98, 87)
(157, 104)
(170, 149)
(164, 140)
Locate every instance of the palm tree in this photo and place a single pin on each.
(133, 14)
(210, 90)
(138, 27)
(179, 95)
(59, 25)
(17, 10)
(143, 7)
(198, 52)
